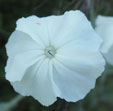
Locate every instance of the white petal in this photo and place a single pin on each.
(73, 25)
(20, 42)
(76, 76)
(104, 27)
(17, 66)
(36, 28)
(24, 86)
(77, 66)
(38, 83)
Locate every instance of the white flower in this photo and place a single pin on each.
(54, 56)
(104, 27)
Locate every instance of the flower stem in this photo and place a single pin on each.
(11, 104)
(90, 7)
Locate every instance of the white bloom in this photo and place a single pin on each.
(54, 56)
(104, 27)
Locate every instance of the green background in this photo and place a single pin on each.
(100, 98)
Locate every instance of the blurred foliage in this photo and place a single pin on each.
(100, 98)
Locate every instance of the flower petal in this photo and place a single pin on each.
(77, 66)
(73, 25)
(20, 42)
(17, 66)
(75, 77)
(104, 27)
(36, 28)
(37, 82)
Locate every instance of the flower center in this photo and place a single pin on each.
(50, 52)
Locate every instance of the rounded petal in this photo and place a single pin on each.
(17, 66)
(69, 83)
(75, 72)
(78, 64)
(104, 27)
(36, 28)
(20, 42)
(73, 25)
(37, 82)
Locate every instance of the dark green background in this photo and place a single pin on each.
(100, 98)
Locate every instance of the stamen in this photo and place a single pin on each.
(50, 52)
